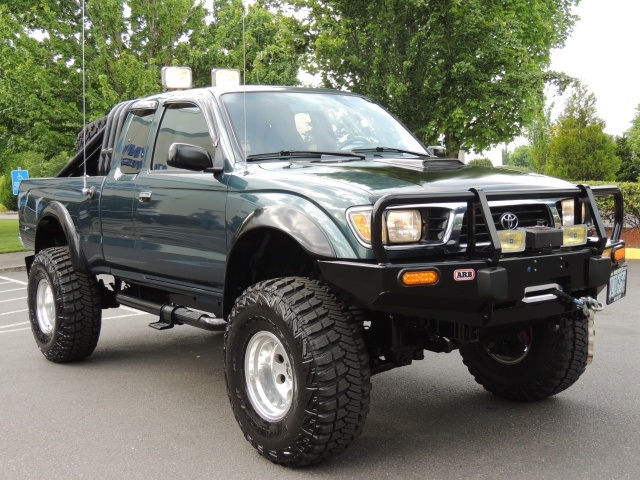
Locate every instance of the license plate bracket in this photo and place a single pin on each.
(617, 287)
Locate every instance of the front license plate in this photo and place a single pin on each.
(617, 285)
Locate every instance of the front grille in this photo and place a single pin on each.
(437, 221)
(529, 215)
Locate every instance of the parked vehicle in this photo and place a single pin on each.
(327, 243)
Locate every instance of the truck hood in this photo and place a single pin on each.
(378, 178)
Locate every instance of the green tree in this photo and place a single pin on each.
(634, 133)
(538, 133)
(579, 148)
(126, 45)
(506, 155)
(469, 72)
(274, 44)
(630, 160)
(481, 162)
(522, 157)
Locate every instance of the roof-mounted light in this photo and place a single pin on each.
(225, 77)
(176, 78)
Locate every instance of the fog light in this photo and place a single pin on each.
(573, 236)
(512, 241)
(421, 277)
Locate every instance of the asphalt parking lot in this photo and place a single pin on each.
(152, 404)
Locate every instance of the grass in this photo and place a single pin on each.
(9, 237)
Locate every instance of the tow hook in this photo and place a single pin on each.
(589, 307)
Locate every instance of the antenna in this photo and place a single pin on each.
(244, 91)
(89, 192)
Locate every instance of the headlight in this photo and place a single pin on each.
(567, 208)
(400, 226)
(404, 226)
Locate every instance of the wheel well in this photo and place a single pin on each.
(49, 234)
(262, 254)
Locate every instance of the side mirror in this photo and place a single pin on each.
(191, 157)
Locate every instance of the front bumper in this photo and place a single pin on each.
(498, 295)
(502, 289)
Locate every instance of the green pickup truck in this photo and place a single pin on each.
(327, 243)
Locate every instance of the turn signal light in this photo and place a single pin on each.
(420, 277)
(619, 254)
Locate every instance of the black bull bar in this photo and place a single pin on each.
(496, 296)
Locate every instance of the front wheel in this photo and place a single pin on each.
(297, 371)
(531, 362)
(64, 307)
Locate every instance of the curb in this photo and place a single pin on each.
(633, 254)
(13, 269)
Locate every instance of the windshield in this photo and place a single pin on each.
(313, 121)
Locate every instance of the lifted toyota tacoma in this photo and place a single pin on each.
(327, 243)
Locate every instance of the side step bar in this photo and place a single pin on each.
(171, 314)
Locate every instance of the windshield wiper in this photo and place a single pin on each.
(391, 150)
(289, 154)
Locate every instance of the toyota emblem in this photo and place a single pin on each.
(509, 221)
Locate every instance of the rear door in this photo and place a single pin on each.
(119, 195)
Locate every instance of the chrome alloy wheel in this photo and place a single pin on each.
(268, 376)
(45, 307)
(511, 350)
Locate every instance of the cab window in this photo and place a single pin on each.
(132, 147)
(181, 123)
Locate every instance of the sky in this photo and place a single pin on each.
(604, 53)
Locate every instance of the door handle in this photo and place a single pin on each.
(144, 197)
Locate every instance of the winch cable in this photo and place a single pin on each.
(585, 303)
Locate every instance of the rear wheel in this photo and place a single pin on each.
(64, 307)
(297, 371)
(533, 362)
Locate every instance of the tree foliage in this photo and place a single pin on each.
(469, 72)
(634, 133)
(522, 157)
(579, 148)
(538, 133)
(127, 42)
(630, 160)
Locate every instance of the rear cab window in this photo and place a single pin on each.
(132, 147)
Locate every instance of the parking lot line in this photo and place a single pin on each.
(14, 330)
(13, 299)
(15, 311)
(11, 280)
(12, 290)
(124, 316)
(14, 325)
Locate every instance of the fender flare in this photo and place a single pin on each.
(59, 212)
(296, 224)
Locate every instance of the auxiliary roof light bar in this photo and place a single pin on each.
(225, 77)
(176, 78)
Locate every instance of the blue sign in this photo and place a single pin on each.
(16, 178)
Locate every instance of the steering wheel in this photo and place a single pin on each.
(354, 142)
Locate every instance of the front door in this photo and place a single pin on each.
(179, 216)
